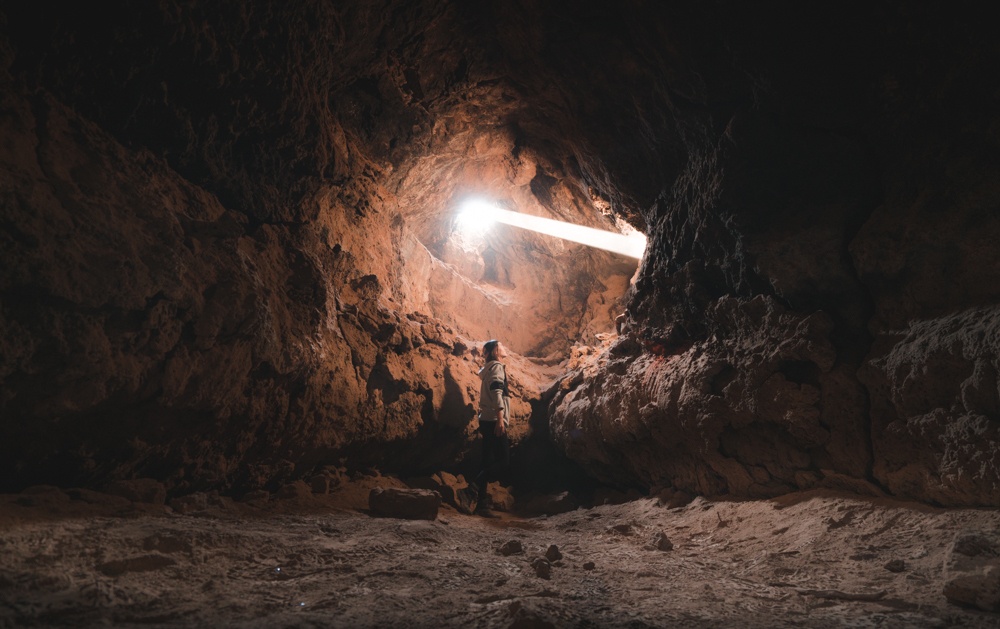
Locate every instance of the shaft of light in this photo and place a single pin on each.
(632, 246)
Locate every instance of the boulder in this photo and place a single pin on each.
(972, 571)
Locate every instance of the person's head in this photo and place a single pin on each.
(493, 350)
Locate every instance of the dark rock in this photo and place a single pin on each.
(511, 547)
(662, 542)
(552, 553)
(446, 485)
(896, 565)
(409, 504)
(588, 565)
(543, 568)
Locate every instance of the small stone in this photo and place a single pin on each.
(553, 554)
(588, 565)
(543, 568)
(661, 542)
(512, 547)
(408, 504)
(896, 565)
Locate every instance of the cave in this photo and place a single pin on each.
(249, 267)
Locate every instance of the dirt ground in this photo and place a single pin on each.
(816, 559)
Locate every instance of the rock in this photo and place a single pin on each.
(588, 565)
(408, 504)
(293, 491)
(662, 542)
(934, 408)
(972, 571)
(511, 547)
(501, 498)
(146, 490)
(446, 485)
(896, 565)
(552, 553)
(542, 566)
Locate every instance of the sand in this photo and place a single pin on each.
(815, 559)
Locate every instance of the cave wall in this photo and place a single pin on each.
(197, 271)
(818, 308)
(216, 249)
(215, 270)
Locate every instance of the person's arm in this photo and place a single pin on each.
(497, 376)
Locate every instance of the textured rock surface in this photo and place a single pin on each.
(229, 255)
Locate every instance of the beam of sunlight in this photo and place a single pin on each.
(476, 216)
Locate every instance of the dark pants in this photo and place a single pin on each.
(496, 456)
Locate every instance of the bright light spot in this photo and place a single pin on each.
(477, 216)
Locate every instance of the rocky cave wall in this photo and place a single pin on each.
(224, 251)
(216, 229)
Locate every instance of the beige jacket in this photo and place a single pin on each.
(493, 392)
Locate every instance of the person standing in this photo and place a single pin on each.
(494, 422)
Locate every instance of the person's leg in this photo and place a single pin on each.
(470, 497)
(492, 460)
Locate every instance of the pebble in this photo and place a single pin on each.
(553, 554)
(589, 565)
(896, 565)
(512, 547)
(542, 567)
(662, 542)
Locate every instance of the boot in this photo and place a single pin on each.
(483, 507)
(466, 499)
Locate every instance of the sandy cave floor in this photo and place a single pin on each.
(815, 559)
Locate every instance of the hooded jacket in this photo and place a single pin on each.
(493, 392)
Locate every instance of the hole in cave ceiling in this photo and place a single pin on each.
(538, 293)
